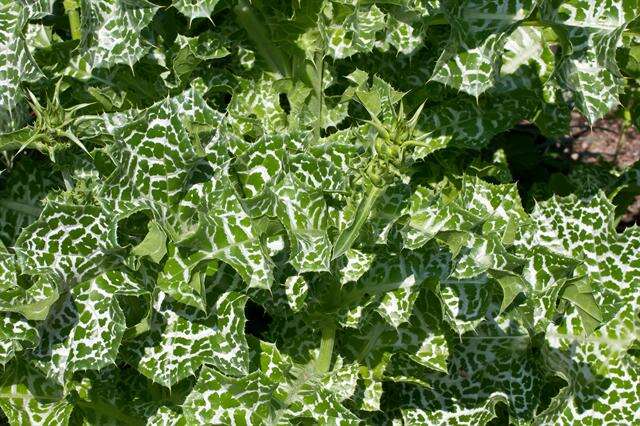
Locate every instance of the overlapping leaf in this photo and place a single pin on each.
(84, 329)
(244, 231)
(471, 61)
(179, 341)
(69, 241)
(24, 188)
(599, 361)
(31, 398)
(111, 31)
(16, 64)
(590, 33)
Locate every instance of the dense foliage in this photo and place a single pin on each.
(314, 212)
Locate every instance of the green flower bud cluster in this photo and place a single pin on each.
(389, 147)
(53, 124)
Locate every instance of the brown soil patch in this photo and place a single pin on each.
(607, 141)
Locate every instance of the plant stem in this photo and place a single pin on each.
(323, 363)
(317, 87)
(258, 33)
(109, 411)
(21, 207)
(529, 22)
(71, 7)
(436, 20)
(350, 234)
(621, 140)
(138, 329)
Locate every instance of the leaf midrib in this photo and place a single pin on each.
(21, 207)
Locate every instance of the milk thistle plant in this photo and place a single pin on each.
(276, 212)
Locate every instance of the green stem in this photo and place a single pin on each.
(109, 411)
(323, 363)
(626, 123)
(138, 329)
(317, 86)
(436, 20)
(621, 140)
(71, 7)
(310, 372)
(28, 396)
(349, 235)
(372, 338)
(258, 33)
(529, 22)
(20, 207)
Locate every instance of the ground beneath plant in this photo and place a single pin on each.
(606, 142)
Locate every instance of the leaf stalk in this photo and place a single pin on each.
(259, 34)
(323, 362)
(71, 8)
(350, 234)
(529, 22)
(318, 89)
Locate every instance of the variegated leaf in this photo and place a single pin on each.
(179, 341)
(25, 186)
(304, 213)
(16, 64)
(479, 28)
(28, 397)
(70, 241)
(111, 32)
(590, 33)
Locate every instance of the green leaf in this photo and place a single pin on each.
(349, 235)
(70, 241)
(179, 341)
(154, 153)
(302, 392)
(589, 38)
(304, 214)
(356, 264)
(511, 285)
(154, 244)
(17, 66)
(545, 274)
(225, 231)
(469, 123)
(471, 60)
(29, 398)
(34, 301)
(421, 338)
(354, 34)
(255, 107)
(195, 9)
(24, 188)
(488, 366)
(248, 228)
(84, 329)
(586, 304)
(111, 32)
(180, 280)
(246, 400)
(16, 335)
(296, 288)
(398, 279)
(593, 362)
(598, 395)
(582, 229)
(493, 209)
